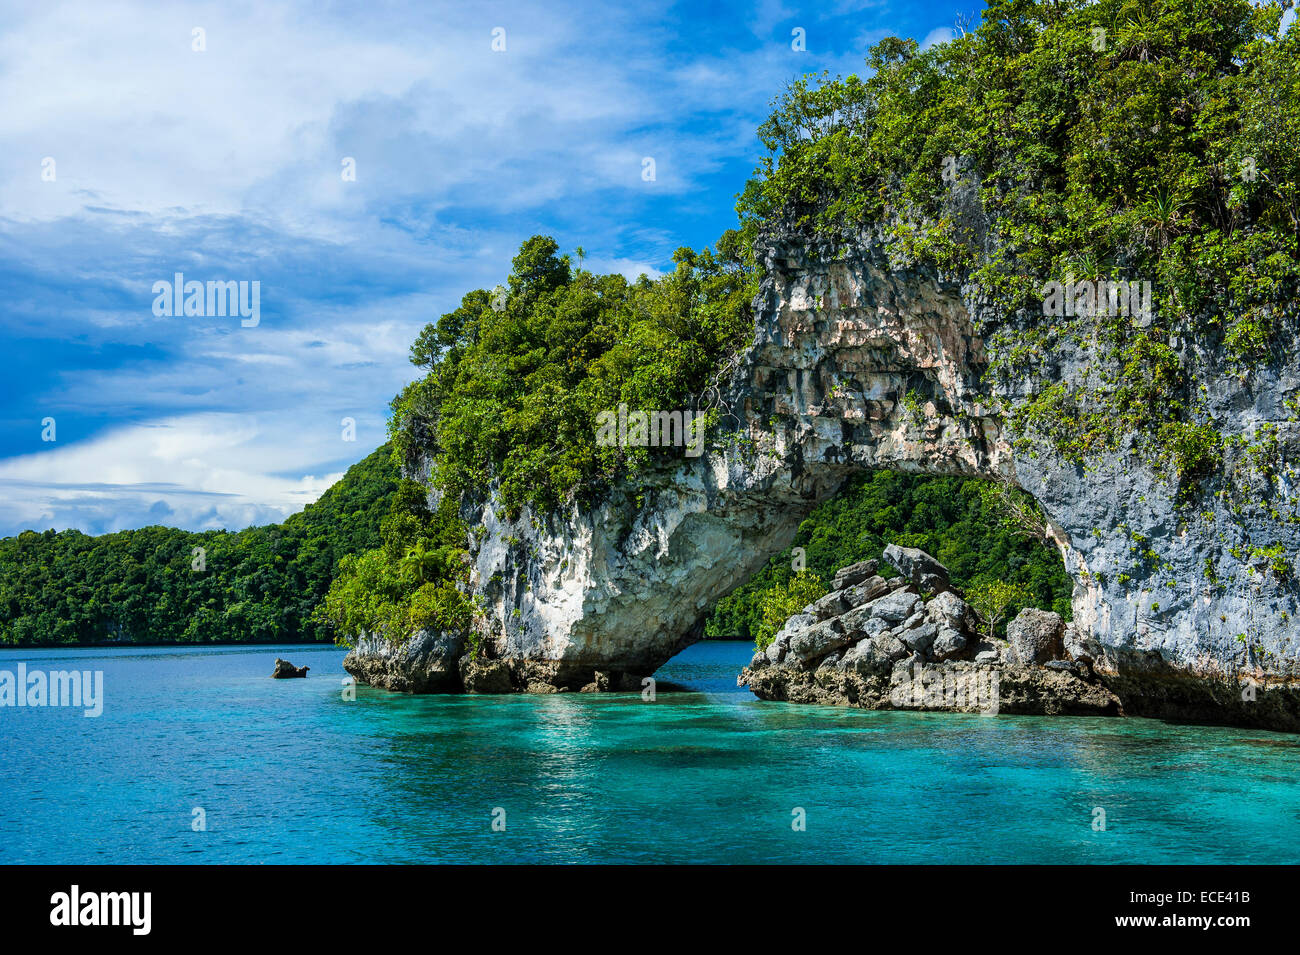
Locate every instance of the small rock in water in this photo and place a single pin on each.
(284, 670)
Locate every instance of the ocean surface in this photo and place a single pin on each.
(288, 771)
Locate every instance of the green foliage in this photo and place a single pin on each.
(997, 601)
(260, 585)
(778, 602)
(1168, 153)
(963, 523)
(516, 379)
(412, 582)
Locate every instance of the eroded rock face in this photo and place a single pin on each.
(1035, 636)
(425, 663)
(858, 364)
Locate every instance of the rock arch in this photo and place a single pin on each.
(855, 364)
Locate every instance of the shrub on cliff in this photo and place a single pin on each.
(516, 377)
(409, 583)
(781, 600)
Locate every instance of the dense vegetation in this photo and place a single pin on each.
(516, 377)
(1142, 140)
(964, 523)
(260, 585)
(515, 380)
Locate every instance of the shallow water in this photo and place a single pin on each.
(288, 771)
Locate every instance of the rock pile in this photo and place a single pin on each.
(912, 642)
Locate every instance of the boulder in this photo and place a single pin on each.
(948, 644)
(818, 640)
(854, 574)
(860, 622)
(800, 621)
(920, 569)
(874, 656)
(986, 656)
(832, 605)
(920, 638)
(951, 611)
(895, 607)
(865, 592)
(285, 670)
(913, 621)
(1035, 637)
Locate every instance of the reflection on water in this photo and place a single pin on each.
(287, 771)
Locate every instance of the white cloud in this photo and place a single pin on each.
(198, 471)
(937, 35)
(225, 164)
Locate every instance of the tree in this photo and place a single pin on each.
(782, 601)
(995, 600)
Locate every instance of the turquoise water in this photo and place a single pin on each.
(288, 771)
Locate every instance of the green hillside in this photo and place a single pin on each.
(259, 585)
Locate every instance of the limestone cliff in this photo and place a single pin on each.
(859, 363)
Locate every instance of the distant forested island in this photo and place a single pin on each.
(259, 585)
(266, 584)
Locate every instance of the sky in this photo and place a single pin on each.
(141, 140)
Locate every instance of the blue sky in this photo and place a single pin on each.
(225, 163)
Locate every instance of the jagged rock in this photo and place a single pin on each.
(1065, 666)
(947, 644)
(920, 638)
(903, 667)
(832, 605)
(800, 621)
(913, 621)
(424, 663)
(818, 640)
(854, 574)
(286, 670)
(920, 569)
(866, 591)
(488, 676)
(1035, 636)
(896, 606)
(987, 656)
(950, 610)
(861, 622)
(1079, 646)
(875, 655)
